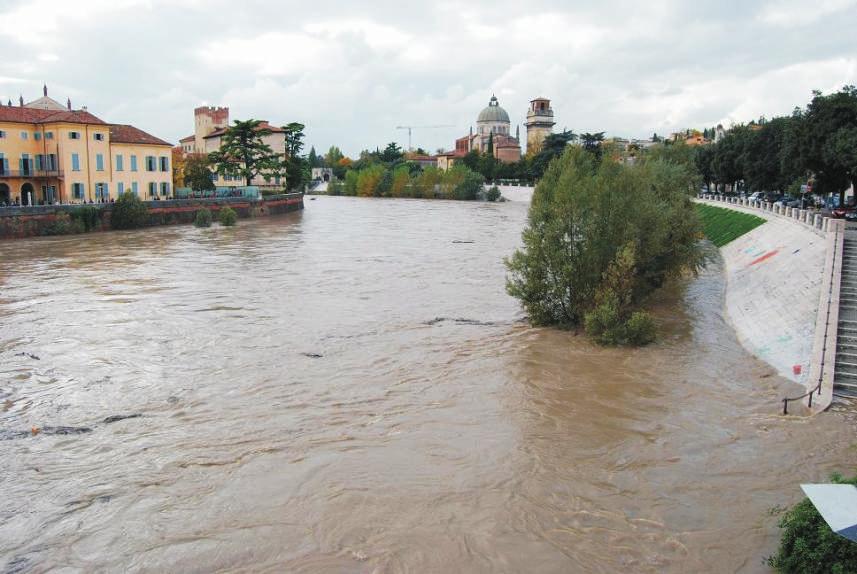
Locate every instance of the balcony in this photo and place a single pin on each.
(31, 173)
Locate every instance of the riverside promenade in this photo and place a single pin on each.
(782, 292)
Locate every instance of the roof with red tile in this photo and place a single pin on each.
(120, 133)
(187, 139)
(262, 126)
(38, 116)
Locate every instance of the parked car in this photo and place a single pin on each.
(851, 216)
(786, 201)
(840, 212)
(757, 196)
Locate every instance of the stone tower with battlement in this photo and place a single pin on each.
(539, 124)
(206, 120)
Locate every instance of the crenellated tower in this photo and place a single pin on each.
(206, 120)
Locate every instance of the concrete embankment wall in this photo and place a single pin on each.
(17, 222)
(777, 292)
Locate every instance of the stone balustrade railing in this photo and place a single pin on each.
(808, 217)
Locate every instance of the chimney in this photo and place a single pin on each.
(68, 103)
(21, 101)
(45, 90)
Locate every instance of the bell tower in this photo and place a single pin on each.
(539, 124)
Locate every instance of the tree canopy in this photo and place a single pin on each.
(243, 152)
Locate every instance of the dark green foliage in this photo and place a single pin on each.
(129, 212)
(600, 237)
(553, 147)
(593, 143)
(244, 152)
(64, 225)
(392, 153)
(88, 217)
(197, 173)
(469, 187)
(721, 225)
(227, 216)
(493, 194)
(809, 546)
(203, 218)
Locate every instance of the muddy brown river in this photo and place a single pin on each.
(350, 389)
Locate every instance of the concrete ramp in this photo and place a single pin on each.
(774, 279)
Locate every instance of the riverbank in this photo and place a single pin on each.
(32, 221)
(778, 292)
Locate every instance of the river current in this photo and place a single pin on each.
(350, 389)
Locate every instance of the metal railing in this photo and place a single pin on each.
(31, 173)
(817, 389)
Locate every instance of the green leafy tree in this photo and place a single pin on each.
(809, 546)
(243, 152)
(828, 136)
(128, 212)
(197, 173)
(392, 153)
(553, 146)
(314, 159)
(583, 214)
(203, 218)
(593, 143)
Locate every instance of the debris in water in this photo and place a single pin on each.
(117, 418)
(65, 430)
(29, 355)
(460, 321)
(312, 355)
(461, 241)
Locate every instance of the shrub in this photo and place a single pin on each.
(203, 218)
(64, 225)
(470, 186)
(493, 194)
(335, 187)
(129, 212)
(89, 217)
(809, 546)
(227, 216)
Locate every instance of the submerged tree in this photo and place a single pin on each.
(601, 236)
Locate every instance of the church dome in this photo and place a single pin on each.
(493, 113)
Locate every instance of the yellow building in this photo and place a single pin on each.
(50, 153)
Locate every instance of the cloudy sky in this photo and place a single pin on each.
(353, 71)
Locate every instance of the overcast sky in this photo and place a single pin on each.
(353, 71)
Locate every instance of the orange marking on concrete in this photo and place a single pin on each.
(767, 255)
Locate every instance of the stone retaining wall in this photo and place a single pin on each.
(17, 222)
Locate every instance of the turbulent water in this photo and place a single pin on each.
(349, 389)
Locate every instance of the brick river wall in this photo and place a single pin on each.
(17, 222)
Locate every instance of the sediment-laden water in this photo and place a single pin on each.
(349, 389)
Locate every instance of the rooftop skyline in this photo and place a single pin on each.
(352, 74)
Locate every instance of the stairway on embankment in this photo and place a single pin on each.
(845, 374)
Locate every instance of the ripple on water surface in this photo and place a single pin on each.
(350, 389)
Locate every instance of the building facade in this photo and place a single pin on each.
(50, 153)
(210, 124)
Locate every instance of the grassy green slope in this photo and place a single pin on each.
(722, 225)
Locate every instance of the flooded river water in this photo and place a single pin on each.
(350, 389)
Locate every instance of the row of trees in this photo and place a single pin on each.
(379, 180)
(818, 143)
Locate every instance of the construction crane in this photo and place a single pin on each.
(409, 128)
